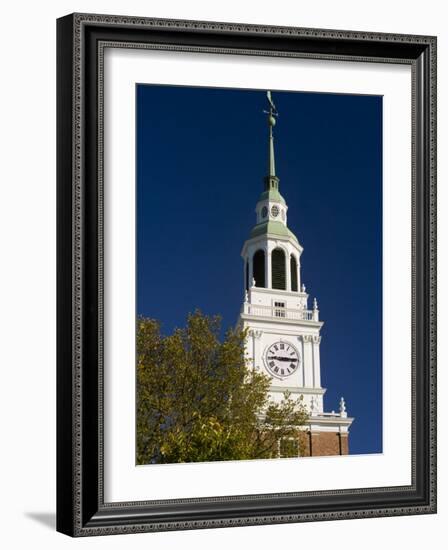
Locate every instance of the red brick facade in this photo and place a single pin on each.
(325, 443)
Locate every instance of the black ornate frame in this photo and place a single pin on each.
(81, 39)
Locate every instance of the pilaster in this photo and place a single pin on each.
(307, 360)
(343, 443)
(316, 361)
(255, 335)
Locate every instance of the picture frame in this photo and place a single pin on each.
(81, 506)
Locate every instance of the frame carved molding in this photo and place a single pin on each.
(81, 42)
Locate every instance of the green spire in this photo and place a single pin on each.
(272, 113)
(271, 181)
(267, 226)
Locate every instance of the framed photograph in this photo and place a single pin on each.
(246, 274)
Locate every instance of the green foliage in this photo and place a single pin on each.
(198, 400)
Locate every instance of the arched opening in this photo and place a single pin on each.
(258, 269)
(247, 275)
(293, 264)
(278, 269)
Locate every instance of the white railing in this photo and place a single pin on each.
(280, 312)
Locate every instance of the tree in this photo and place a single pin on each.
(198, 399)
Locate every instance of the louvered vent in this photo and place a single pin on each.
(278, 269)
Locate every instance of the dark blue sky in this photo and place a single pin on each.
(201, 159)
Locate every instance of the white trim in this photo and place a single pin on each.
(298, 390)
(260, 318)
(284, 292)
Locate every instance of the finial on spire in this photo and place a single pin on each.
(303, 288)
(273, 113)
(315, 304)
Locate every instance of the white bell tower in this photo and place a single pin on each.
(284, 334)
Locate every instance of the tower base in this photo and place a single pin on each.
(317, 443)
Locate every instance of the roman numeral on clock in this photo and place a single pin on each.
(281, 359)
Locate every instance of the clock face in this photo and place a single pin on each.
(281, 359)
(275, 211)
(264, 212)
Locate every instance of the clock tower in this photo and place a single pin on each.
(283, 330)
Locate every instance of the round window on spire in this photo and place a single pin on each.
(274, 211)
(264, 212)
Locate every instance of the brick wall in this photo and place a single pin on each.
(325, 444)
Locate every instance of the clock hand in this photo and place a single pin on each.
(286, 359)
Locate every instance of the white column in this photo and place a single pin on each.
(308, 361)
(268, 261)
(251, 268)
(254, 350)
(299, 282)
(288, 270)
(316, 361)
(302, 375)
